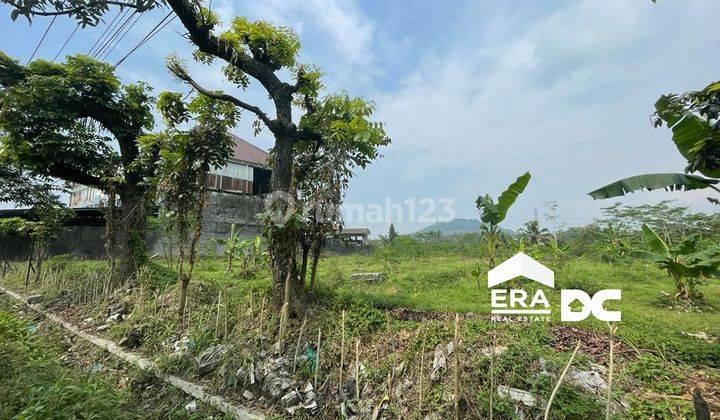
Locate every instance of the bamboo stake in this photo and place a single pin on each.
(225, 315)
(342, 350)
(562, 376)
(492, 370)
(285, 312)
(317, 357)
(357, 372)
(217, 315)
(297, 346)
(262, 319)
(457, 366)
(613, 329)
(422, 372)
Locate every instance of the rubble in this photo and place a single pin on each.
(517, 395)
(114, 318)
(209, 359)
(191, 407)
(439, 365)
(493, 351)
(183, 345)
(369, 277)
(34, 299)
(291, 398)
(588, 380)
(248, 395)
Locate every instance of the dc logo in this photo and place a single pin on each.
(591, 305)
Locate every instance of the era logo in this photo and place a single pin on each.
(592, 305)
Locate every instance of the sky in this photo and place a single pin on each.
(472, 93)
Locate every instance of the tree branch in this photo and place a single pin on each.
(271, 124)
(208, 43)
(70, 174)
(78, 9)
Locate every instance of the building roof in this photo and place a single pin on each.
(355, 231)
(246, 152)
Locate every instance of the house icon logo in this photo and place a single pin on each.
(521, 265)
(522, 305)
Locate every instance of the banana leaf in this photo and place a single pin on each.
(667, 181)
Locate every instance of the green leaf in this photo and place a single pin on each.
(507, 198)
(493, 213)
(667, 181)
(653, 241)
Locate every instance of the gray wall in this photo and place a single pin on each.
(88, 242)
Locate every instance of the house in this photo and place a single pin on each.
(247, 172)
(357, 236)
(235, 196)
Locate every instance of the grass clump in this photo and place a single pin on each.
(35, 386)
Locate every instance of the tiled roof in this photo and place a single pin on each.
(247, 152)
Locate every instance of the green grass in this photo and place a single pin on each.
(434, 277)
(446, 283)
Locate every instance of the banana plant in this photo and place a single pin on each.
(233, 245)
(686, 263)
(694, 120)
(492, 214)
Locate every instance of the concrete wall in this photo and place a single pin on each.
(88, 242)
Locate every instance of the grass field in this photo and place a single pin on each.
(656, 372)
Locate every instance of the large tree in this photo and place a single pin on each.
(76, 122)
(265, 53)
(260, 51)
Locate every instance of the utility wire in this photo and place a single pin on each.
(42, 39)
(66, 42)
(120, 38)
(154, 31)
(110, 33)
(107, 28)
(110, 39)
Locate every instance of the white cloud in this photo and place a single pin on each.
(567, 96)
(349, 32)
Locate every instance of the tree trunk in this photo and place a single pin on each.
(317, 249)
(282, 246)
(305, 252)
(40, 257)
(132, 232)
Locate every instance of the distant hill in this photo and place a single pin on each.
(456, 226)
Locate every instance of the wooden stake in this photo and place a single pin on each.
(342, 350)
(317, 357)
(560, 379)
(285, 312)
(492, 370)
(262, 319)
(357, 372)
(297, 346)
(217, 315)
(422, 372)
(613, 328)
(456, 349)
(225, 315)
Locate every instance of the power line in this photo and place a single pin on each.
(66, 42)
(110, 32)
(42, 39)
(111, 38)
(154, 31)
(107, 28)
(120, 38)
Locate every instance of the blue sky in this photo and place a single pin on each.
(473, 93)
